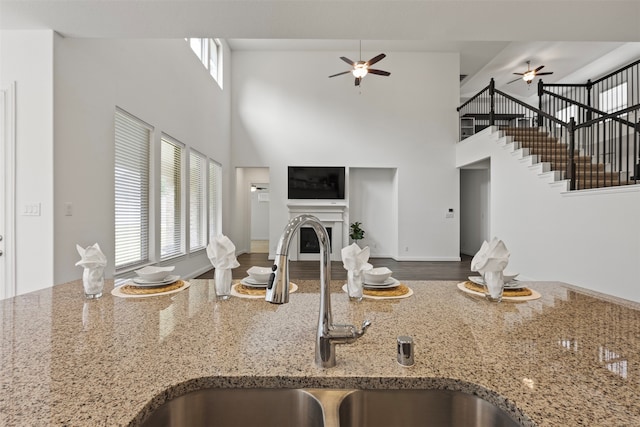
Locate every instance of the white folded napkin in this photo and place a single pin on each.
(222, 253)
(355, 259)
(92, 257)
(491, 257)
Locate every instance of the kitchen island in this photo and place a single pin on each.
(568, 358)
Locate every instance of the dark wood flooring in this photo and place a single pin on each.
(402, 270)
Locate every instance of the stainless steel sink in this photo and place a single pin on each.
(328, 408)
(406, 408)
(239, 408)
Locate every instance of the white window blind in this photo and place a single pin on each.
(197, 201)
(171, 240)
(214, 193)
(132, 138)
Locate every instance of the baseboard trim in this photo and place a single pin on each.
(410, 258)
(198, 272)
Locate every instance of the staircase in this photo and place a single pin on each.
(548, 150)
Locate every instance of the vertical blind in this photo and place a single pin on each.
(197, 201)
(214, 182)
(132, 139)
(171, 241)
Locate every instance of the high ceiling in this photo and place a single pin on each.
(495, 38)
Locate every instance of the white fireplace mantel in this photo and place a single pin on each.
(332, 214)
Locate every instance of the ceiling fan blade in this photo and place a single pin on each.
(379, 72)
(544, 74)
(347, 60)
(513, 81)
(519, 74)
(538, 69)
(339, 74)
(358, 81)
(376, 59)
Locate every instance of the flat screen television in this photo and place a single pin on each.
(316, 182)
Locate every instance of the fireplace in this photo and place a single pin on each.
(309, 243)
(332, 216)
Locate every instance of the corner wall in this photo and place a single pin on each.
(589, 238)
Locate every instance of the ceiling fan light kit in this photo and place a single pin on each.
(361, 68)
(530, 74)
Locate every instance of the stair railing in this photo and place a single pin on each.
(610, 139)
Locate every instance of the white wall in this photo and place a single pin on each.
(589, 238)
(159, 81)
(286, 111)
(26, 58)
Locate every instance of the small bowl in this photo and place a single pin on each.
(508, 276)
(259, 274)
(377, 275)
(154, 274)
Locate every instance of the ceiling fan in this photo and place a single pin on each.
(361, 68)
(530, 74)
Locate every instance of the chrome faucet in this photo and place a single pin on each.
(328, 334)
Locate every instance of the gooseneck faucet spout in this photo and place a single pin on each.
(328, 334)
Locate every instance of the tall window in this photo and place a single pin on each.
(209, 52)
(215, 171)
(197, 201)
(132, 140)
(171, 234)
(614, 99)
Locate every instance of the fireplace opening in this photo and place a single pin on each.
(309, 241)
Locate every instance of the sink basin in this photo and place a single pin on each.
(443, 408)
(239, 408)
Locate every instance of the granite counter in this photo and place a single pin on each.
(568, 358)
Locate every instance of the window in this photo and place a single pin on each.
(215, 171)
(132, 140)
(614, 99)
(171, 234)
(209, 52)
(197, 201)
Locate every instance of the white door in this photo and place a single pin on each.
(7, 154)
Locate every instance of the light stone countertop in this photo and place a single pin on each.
(569, 358)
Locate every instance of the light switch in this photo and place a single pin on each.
(68, 209)
(31, 209)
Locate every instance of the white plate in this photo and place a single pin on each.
(389, 283)
(514, 284)
(168, 280)
(248, 281)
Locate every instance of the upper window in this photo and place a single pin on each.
(197, 201)
(614, 99)
(171, 212)
(210, 54)
(132, 141)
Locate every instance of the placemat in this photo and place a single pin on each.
(520, 294)
(396, 292)
(132, 291)
(241, 291)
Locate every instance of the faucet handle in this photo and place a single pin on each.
(365, 325)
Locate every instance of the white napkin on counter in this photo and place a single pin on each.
(355, 259)
(491, 257)
(222, 253)
(92, 257)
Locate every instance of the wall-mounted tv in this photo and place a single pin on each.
(316, 182)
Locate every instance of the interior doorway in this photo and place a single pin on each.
(259, 237)
(475, 186)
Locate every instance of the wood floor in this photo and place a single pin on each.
(402, 270)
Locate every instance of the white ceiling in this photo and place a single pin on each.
(495, 38)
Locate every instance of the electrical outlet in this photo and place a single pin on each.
(68, 209)
(406, 249)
